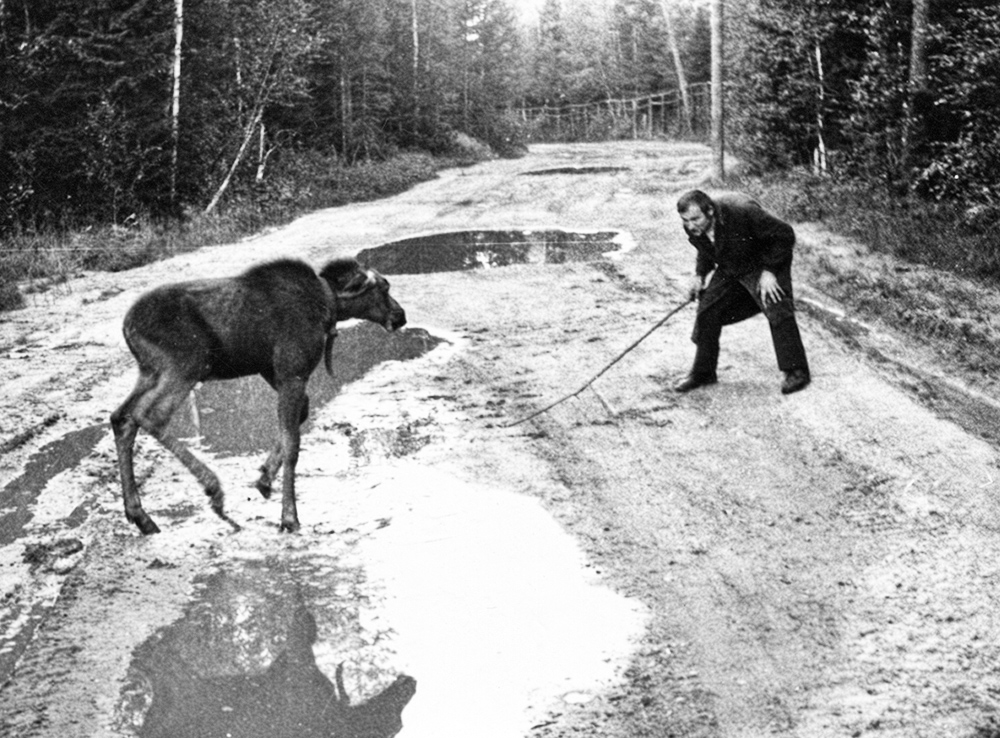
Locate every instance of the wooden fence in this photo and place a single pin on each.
(649, 116)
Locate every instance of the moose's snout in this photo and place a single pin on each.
(397, 317)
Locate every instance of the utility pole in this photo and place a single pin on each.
(718, 110)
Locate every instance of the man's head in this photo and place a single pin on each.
(697, 212)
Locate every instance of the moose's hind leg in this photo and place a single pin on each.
(125, 427)
(154, 415)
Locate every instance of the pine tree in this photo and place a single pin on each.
(83, 133)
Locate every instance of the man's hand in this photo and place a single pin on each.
(695, 285)
(769, 288)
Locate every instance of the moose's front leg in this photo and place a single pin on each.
(291, 403)
(271, 466)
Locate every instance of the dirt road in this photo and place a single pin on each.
(730, 562)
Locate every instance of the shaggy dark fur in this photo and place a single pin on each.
(276, 319)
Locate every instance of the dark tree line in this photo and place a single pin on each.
(865, 89)
(899, 93)
(91, 128)
(583, 51)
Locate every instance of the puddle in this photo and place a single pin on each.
(491, 603)
(463, 250)
(499, 630)
(234, 417)
(265, 652)
(19, 495)
(575, 170)
(239, 417)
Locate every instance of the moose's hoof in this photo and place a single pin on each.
(289, 526)
(263, 486)
(146, 526)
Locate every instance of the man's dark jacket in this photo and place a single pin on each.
(747, 240)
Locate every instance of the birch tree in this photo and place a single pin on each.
(718, 100)
(274, 38)
(175, 102)
(675, 52)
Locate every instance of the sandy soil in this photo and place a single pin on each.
(730, 562)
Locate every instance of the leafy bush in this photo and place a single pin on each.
(965, 157)
(507, 136)
(10, 296)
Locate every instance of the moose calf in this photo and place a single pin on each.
(276, 319)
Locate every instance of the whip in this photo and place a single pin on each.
(614, 361)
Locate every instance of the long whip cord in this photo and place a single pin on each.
(614, 361)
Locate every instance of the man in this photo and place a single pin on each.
(749, 252)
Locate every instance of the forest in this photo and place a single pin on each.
(118, 111)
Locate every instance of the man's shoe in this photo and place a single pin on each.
(695, 380)
(794, 381)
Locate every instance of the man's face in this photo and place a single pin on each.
(696, 222)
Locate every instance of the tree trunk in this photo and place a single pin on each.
(345, 113)
(678, 66)
(819, 155)
(918, 47)
(363, 116)
(416, 49)
(262, 154)
(465, 83)
(415, 71)
(247, 138)
(416, 42)
(175, 108)
(718, 107)
(919, 98)
(238, 52)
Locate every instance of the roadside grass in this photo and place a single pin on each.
(37, 261)
(943, 235)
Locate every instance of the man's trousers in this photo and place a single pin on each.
(727, 300)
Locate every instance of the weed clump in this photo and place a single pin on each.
(10, 296)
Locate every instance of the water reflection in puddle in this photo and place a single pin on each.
(240, 416)
(463, 250)
(576, 170)
(242, 661)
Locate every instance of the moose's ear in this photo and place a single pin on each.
(357, 283)
(341, 272)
